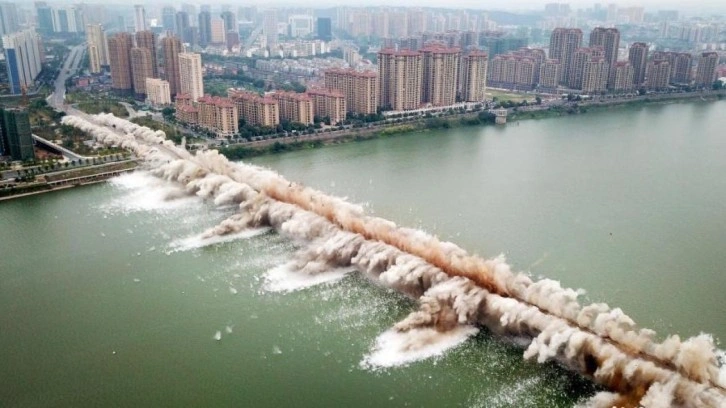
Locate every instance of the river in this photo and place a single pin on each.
(109, 296)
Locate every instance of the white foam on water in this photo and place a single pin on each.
(145, 192)
(722, 371)
(218, 335)
(394, 348)
(199, 241)
(517, 394)
(284, 278)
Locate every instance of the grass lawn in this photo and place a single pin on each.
(513, 96)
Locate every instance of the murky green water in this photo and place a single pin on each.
(107, 299)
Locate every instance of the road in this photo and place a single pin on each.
(70, 66)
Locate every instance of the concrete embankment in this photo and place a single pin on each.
(62, 180)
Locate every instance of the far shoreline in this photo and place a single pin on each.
(421, 124)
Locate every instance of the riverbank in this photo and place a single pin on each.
(374, 131)
(62, 180)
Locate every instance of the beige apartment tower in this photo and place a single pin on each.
(440, 75)
(190, 75)
(659, 74)
(157, 92)
(563, 44)
(171, 47)
(400, 79)
(622, 77)
(97, 47)
(360, 89)
(706, 70)
(473, 76)
(549, 74)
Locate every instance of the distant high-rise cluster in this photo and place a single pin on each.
(412, 79)
(23, 51)
(60, 19)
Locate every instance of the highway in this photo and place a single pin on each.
(70, 66)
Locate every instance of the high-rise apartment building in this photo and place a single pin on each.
(15, 137)
(140, 69)
(181, 24)
(706, 69)
(658, 75)
(324, 30)
(119, 54)
(8, 18)
(549, 74)
(595, 75)
(563, 44)
(22, 59)
(473, 76)
(230, 21)
(609, 40)
(360, 89)
(256, 110)
(681, 65)
(269, 28)
(147, 39)
(295, 107)
(581, 58)
(328, 103)
(190, 75)
(400, 79)
(97, 48)
(171, 47)
(440, 75)
(205, 29)
(45, 17)
(157, 92)
(622, 76)
(638, 58)
(218, 31)
(139, 18)
(168, 18)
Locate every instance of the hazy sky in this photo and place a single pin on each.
(687, 6)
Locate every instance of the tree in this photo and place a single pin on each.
(168, 113)
(538, 100)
